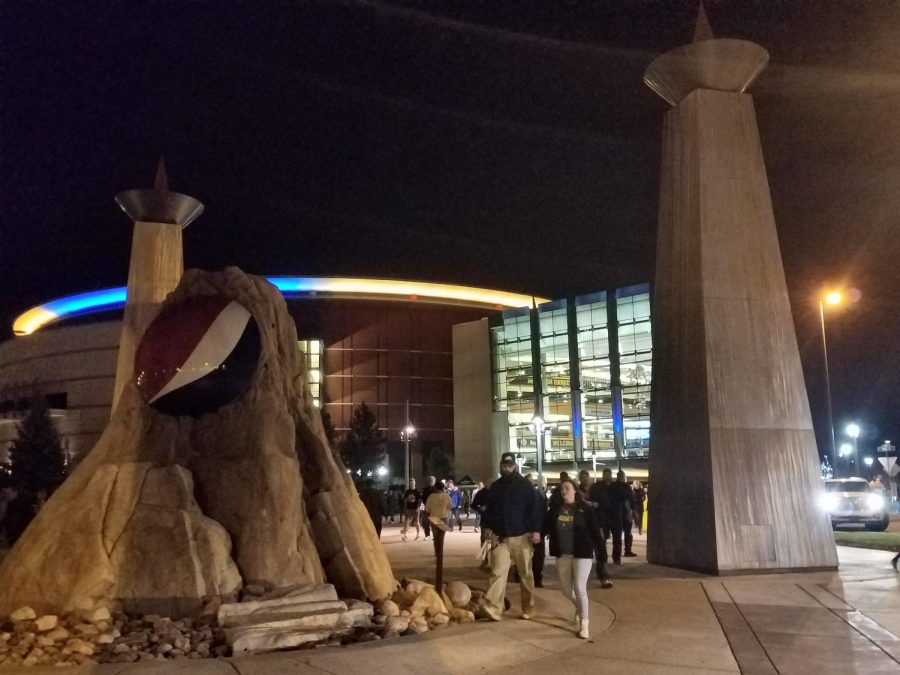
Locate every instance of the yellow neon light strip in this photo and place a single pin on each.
(114, 298)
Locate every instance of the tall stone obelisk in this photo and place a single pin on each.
(733, 463)
(157, 261)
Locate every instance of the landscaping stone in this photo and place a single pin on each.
(46, 622)
(23, 614)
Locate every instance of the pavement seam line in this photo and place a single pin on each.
(310, 665)
(232, 666)
(844, 619)
(748, 624)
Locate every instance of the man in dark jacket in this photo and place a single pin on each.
(375, 504)
(624, 496)
(540, 548)
(606, 510)
(513, 516)
(614, 509)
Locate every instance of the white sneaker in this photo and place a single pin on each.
(584, 632)
(576, 623)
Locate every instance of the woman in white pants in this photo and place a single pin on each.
(573, 532)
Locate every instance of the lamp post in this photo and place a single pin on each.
(845, 451)
(830, 298)
(408, 432)
(853, 432)
(539, 427)
(888, 466)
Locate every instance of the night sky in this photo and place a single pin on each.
(502, 143)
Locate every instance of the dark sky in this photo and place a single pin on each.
(502, 143)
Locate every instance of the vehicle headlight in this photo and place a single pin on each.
(828, 502)
(875, 502)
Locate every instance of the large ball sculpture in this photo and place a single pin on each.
(197, 355)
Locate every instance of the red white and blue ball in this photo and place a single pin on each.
(197, 355)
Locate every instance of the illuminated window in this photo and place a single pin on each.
(596, 378)
(313, 352)
(635, 352)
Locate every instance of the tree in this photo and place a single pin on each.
(363, 445)
(37, 463)
(435, 461)
(328, 426)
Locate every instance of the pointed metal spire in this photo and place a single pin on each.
(721, 64)
(702, 29)
(161, 182)
(159, 205)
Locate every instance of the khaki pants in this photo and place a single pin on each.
(512, 550)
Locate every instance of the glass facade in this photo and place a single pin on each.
(592, 386)
(635, 349)
(312, 355)
(513, 378)
(596, 377)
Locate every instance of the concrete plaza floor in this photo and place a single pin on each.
(654, 620)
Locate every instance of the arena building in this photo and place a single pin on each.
(461, 358)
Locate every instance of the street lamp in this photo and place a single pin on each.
(408, 432)
(853, 432)
(830, 298)
(539, 426)
(845, 450)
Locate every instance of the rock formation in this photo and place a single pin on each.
(168, 511)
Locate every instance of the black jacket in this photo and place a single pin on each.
(512, 507)
(614, 503)
(587, 532)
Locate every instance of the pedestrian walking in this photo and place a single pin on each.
(437, 509)
(640, 496)
(478, 503)
(455, 504)
(375, 504)
(574, 534)
(426, 493)
(625, 496)
(513, 516)
(601, 501)
(411, 501)
(540, 547)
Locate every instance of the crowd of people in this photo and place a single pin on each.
(578, 518)
(518, 519)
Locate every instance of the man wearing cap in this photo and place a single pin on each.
(514, 518)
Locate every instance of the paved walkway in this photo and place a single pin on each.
(655, 620)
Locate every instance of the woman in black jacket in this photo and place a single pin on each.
(574, 533)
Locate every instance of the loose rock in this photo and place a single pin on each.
(459, 593)
(46, 622)
(23, 614)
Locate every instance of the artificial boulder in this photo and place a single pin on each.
(169, 510)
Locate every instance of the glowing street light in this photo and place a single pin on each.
(853, 432)
(868, 461)
(832, 298)
(406, 434)
(539, 425)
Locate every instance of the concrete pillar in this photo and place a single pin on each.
(733, 460)
(157, 262)
(472, 401)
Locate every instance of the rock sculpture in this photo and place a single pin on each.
(168, 511)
